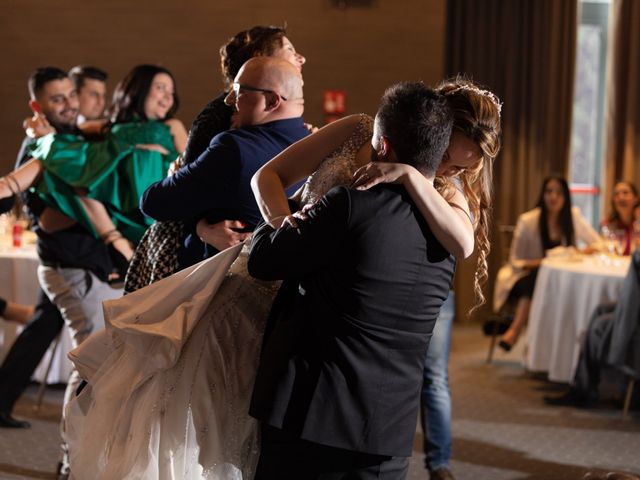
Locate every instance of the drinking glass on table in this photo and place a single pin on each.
(615, 240)
(635, 236)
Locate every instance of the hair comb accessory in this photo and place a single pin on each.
(471, 87)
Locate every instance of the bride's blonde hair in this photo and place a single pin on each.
(476, 115)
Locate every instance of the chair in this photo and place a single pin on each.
(628, 395)
(498, 323)
(624, 350)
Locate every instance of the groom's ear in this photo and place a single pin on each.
(384, 148)
(386, 153)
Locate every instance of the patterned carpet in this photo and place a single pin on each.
(502, 429)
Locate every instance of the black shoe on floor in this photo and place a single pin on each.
(62, 472)
(496, 325)
(505, 346)
(442, 473)
(572, 398)
(7, 421)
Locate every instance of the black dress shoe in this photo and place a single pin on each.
(62, 472)
(7, 421)
(572, 398)
(497, 325)
(441, 474)
(505, 346)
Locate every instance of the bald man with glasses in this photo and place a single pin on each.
(268, 98)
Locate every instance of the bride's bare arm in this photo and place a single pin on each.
(21, 178)
(449, 219)
(295, 164)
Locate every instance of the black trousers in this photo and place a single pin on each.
(284, 457)
(594, 353)
(27, 351)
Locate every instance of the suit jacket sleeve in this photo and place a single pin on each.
(293, 253)
(207, 183)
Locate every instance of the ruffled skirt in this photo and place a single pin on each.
(171, 378)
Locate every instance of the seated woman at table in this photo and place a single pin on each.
(15, 312)
(624, 204)
(552, 223)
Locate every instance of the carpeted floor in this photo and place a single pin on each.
(502, 429)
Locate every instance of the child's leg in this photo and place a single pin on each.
(16, 312)
(520, 318)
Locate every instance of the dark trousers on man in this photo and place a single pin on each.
(27, 352)
(286, 457)
(594, 354)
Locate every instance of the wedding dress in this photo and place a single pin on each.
(170, 379)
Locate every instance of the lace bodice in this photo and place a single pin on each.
(339, 167)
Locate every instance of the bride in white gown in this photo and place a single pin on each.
(171, 399)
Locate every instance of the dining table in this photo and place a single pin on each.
(567, 291)
(19, 283)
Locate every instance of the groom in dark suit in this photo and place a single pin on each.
(338, 387)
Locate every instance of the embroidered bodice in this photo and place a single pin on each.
(339, 167)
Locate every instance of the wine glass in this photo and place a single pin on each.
(619, 241)
(635, 236)
(607, 236)
(615, 240)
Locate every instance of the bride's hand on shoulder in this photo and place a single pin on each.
(374, 173)
(292, 220)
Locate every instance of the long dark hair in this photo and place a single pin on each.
(131, 93)
(564, 218)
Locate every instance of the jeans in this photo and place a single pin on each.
(436, 398)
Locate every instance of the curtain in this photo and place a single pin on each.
(622, 117)
(524, 51)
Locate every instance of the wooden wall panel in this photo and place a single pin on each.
(359, 49)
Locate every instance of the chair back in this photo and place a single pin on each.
(624, 352)
(505, 236)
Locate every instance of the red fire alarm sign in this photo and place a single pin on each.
(335, 102)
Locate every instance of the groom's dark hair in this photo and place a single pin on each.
(417, 121)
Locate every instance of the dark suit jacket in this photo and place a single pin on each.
(342, 365)
(216, 186)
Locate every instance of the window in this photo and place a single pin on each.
(587, 136)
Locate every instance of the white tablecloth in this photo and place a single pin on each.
(19, 283)
(566, 294)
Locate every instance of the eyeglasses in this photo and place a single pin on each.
(239, 86)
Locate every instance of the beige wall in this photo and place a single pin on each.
(360, 49)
